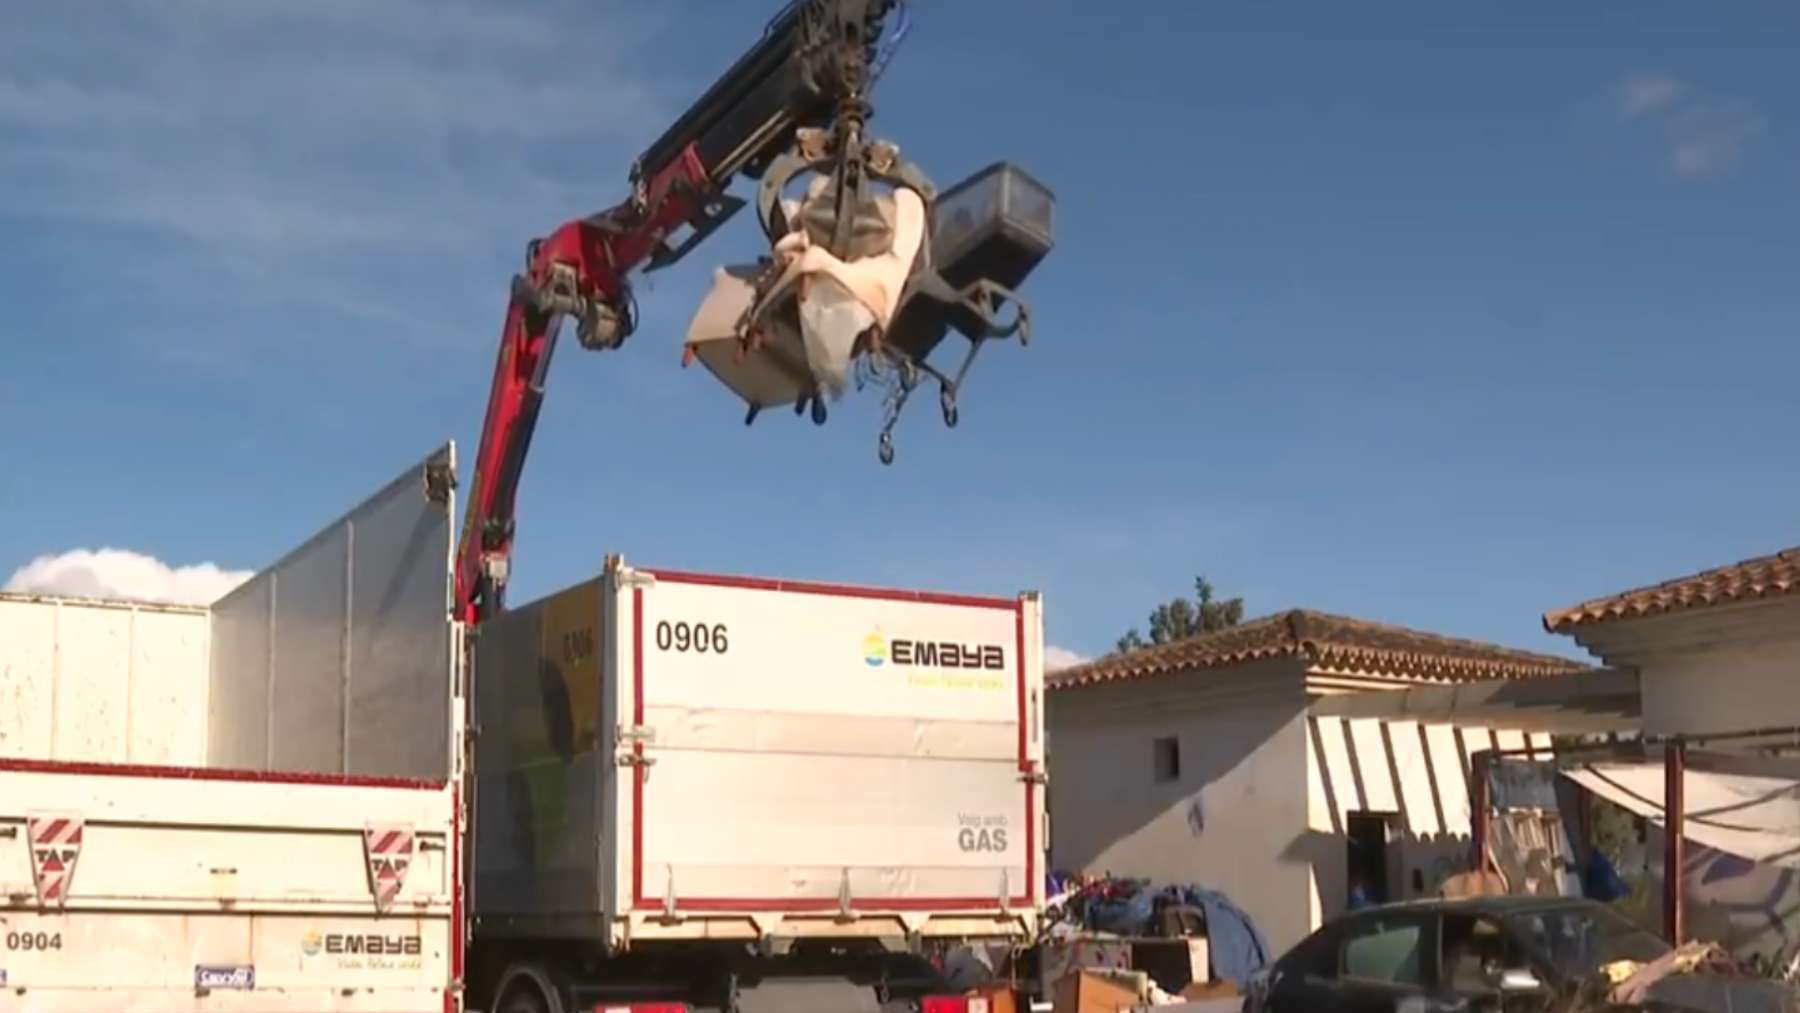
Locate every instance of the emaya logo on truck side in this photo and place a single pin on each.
(903, 651)
(361, 944)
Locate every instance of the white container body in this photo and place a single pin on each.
(150, 862)
(102, 681)
(678, 756)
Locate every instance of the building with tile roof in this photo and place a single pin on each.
(1334, 648)
(1752, 580)
(1206, 762)
(1715, 651)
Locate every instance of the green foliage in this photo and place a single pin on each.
(1180, 618)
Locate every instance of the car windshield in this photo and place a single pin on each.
(1578, 940)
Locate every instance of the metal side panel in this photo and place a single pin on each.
(812, 748)
(260, 890)
(541, 737)
(152, 839)
(338, 659)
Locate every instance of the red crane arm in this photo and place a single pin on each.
(578, 270)
(811, 62)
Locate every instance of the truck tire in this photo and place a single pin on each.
(528, 988)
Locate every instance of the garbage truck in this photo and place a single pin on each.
(654, 790)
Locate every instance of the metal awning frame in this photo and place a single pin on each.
(1600, 701)
(1674, 750)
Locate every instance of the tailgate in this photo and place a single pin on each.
(143, 887)
(811, 748)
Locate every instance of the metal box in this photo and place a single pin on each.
(997, 224)
(665, 755)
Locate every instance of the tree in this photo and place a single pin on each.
(1179, 618)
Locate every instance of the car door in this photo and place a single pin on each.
(1305, 978)
(1384, 958)
(1365, 963)
(1475, 948)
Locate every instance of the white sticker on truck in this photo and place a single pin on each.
(233, 976)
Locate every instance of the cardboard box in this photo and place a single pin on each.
(999, 999)
(1099, 992)
(1220, 989)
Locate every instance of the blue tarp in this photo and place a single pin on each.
(1238, 948)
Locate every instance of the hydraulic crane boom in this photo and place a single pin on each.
(812, 67)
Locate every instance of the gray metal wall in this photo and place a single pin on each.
(542, 726)
(337, 659)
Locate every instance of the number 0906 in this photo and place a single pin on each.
(700, 638)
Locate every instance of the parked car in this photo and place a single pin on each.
(1474, 955)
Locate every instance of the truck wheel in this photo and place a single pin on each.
(522, 1000)
(528, 989)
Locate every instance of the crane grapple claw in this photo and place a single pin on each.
(868, 272)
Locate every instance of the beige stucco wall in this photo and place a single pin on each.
(1232, 820)
(1264, 793)
(1731, 668)
(1729, 688)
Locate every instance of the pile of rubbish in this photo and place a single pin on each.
(1135, 908)
(1698, 976)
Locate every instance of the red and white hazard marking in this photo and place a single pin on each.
(55, 844)
(389, 848)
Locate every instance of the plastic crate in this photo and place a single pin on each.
(997, 224)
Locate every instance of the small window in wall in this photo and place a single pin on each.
(1167, 757)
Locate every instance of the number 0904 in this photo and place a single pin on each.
(699, 638)
(34, 940)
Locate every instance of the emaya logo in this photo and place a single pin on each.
(902, 652)
(875, 650)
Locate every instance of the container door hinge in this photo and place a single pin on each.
(633, 734)
(669, 914)
(440, 479)
(845, 913)
(624, 577)
(632, 740)
(631, 758)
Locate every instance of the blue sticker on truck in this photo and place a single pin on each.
(240, 976)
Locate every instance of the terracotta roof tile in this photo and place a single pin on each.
(1325, 641)
(1763, 577)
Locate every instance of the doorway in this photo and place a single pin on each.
(1366, 859)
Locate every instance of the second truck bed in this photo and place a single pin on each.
(672, 755)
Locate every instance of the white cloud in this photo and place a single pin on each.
(1709, 139)
(123, 574)
(1703, 135)
(1061, 657)
(1639, 94)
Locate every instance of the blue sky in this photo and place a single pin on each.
(1440, 316)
